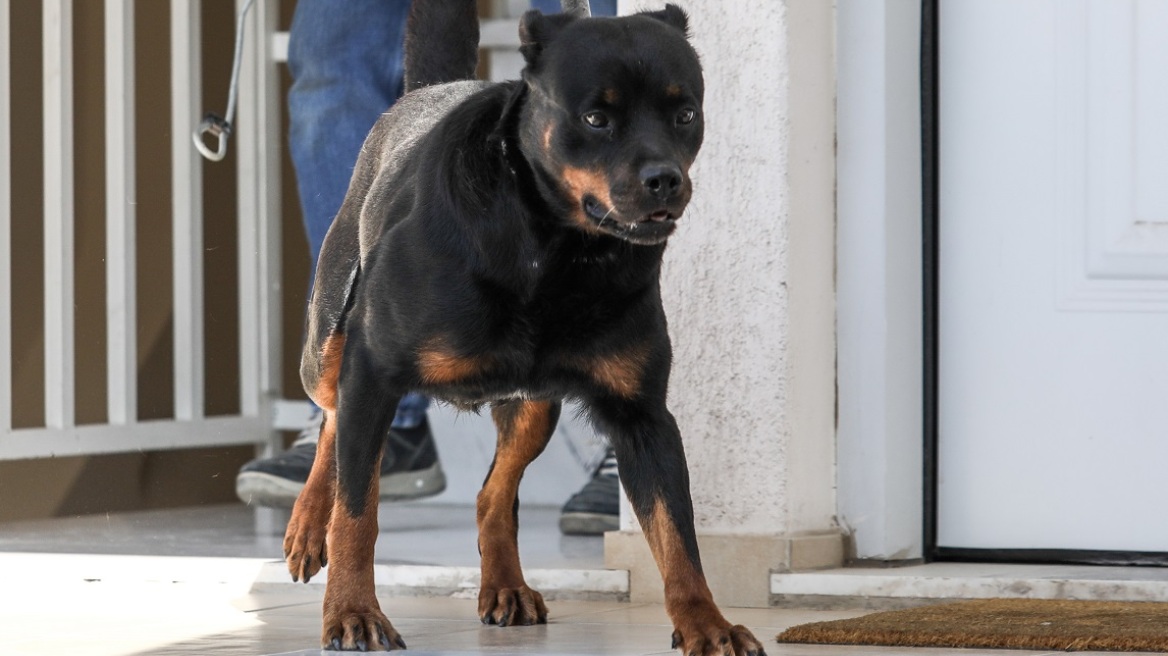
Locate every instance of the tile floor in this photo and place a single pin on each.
(411, 534)
(184, 583)
(131, 618)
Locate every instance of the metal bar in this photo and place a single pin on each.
(270, 262)
(249, 185)
(120, 218)
(279, 49)
(289, 415)
(5, 225)
(58, 219)
(156, 435)
(187, 186)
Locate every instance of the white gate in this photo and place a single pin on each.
(257, 144)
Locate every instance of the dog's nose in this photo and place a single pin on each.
(661, 180)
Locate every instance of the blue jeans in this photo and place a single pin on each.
(346, 67)
(346, 64)
(599, 7)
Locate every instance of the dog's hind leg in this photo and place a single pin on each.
(652, 466)
(305, 550)
(524, 429)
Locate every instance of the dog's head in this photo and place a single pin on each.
(613, 119)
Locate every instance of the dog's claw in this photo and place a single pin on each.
(402, 643)
(730, 641)
(336, 644)
(511, 606)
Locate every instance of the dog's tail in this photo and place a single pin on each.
(442, 42)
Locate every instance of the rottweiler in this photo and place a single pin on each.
(501, 245)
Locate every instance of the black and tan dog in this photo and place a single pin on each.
(502, 244)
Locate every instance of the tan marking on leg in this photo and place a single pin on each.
(305, 550)
(351, 611)
(439, 364)
(699, 627)
(504, 597)
(683, 582)
(688, 600)
(331, 355)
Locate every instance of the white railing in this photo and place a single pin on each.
(257, 144)
(5, 227)
(256, 141)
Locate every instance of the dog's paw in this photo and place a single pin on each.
(305, 550)
(717, 640)
(512, 606)
(359, 630)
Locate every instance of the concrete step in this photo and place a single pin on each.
(860, 587)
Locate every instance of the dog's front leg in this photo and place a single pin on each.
(653, 472)
(352, 616)
(524, 429)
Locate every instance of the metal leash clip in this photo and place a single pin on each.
(212, 123)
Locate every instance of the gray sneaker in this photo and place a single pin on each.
(414, 473)
(596, 507)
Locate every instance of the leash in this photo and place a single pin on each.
(214, 124)
(220, 127)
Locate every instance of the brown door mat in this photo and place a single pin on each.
(1003, 623)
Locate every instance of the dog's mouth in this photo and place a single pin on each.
(652, 228)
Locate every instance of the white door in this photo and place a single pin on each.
(1053, 361)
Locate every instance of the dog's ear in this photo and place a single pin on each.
(672, 15)
(536, 30)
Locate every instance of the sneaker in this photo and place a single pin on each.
(596, 507)
(414, 473)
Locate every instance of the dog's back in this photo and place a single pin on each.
(441, 57)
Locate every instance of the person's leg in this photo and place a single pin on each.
(599, 7)
(346, 65)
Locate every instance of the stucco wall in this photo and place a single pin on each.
(748, 278)
(749, 291)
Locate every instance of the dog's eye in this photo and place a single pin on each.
(596, 119)
(686, 116)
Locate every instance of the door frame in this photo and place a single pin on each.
(878, 279)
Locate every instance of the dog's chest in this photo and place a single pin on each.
(561, 332)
